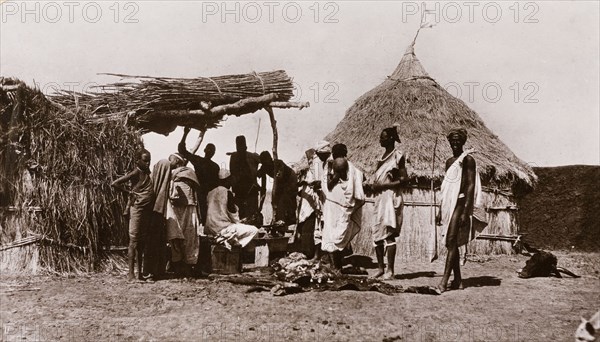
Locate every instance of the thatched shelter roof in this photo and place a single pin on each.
(425, 111)
(160, 104)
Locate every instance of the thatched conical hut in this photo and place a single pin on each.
(425, 112)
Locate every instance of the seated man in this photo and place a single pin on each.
(222, 218)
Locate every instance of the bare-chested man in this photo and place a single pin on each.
(458, 198)
(244, 169)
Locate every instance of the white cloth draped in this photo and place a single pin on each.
(449, 194)
(388, 203)
(342, 210)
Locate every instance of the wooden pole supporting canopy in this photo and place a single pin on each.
(274, 128)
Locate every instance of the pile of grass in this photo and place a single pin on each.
(55, 173)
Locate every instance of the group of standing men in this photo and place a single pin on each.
(176, 204)
(333, 193)
(186, 203)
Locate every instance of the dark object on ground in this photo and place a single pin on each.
(543, 264)
(257, 289)
(260, 283)
(286, 288)
(563, 212)
(295, 273)
(357, 260)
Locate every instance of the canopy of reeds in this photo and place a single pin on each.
(425, 112)
(55, 173)
(160, 104)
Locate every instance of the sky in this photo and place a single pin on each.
(529, 69)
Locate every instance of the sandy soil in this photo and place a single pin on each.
(495, 306)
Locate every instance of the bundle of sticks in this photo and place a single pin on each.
(159, 103)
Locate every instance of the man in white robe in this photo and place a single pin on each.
(222, 218)
(344, 197)
(460, 194)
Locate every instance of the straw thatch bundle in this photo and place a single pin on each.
(425, 111)
(159, 104)
(55, 174)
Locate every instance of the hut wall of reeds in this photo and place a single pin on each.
(58, 212)
(425, 112)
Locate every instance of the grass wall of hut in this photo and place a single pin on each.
(416, 241)
(58, 210)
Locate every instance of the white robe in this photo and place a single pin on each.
(224, 225)
(309, 199)
(449, 194)
(342, 210)
(388, 203)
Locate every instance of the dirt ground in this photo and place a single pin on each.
(496, 305)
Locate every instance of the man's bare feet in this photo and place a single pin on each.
(378, 274)
(388, 276)
(442, 287)
(130, 277)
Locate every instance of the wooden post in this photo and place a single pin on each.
(275, 178)
(274, 127)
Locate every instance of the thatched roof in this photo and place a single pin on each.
(425, 111)
(160, 104)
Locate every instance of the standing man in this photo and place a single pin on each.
(140, 205)
(343, 199)
(319, 167)
(386, 187)
(460, 192)
(285, 188)
(183, 224)
(206, 170)
(244, 169)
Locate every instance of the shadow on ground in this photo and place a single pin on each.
(481, 281)
(360, 261)
(415, 275)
